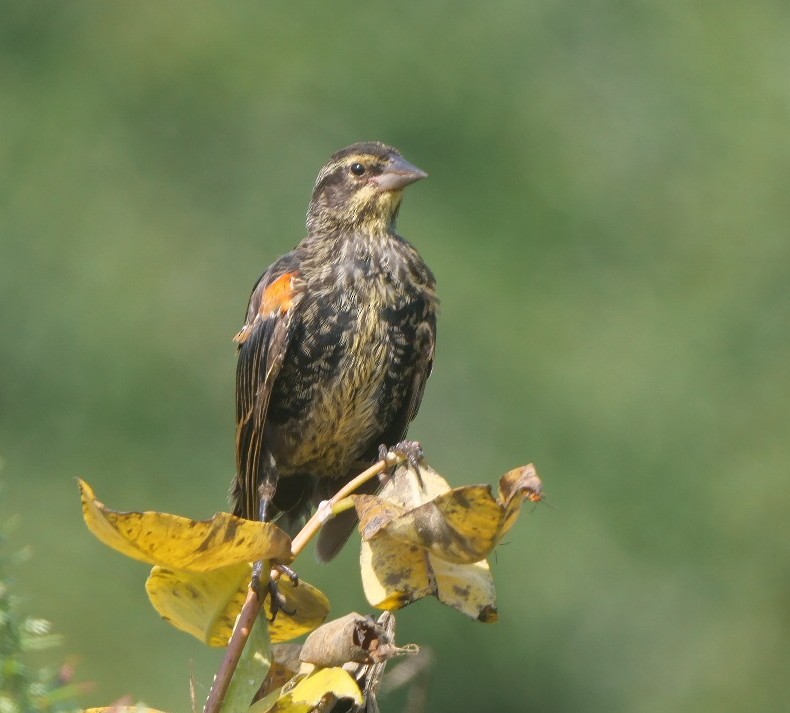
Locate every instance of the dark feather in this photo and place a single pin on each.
(263, 343)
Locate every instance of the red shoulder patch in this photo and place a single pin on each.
(277, 296)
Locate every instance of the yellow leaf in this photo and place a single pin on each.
(326, 680)
(374, 513)
(459, 526)
(176, 542)
(309, 606)
(420, 537)
(469, 588)
(409, 489)
(393, 574)
(206, 604)
(315, 692)
(462, 525)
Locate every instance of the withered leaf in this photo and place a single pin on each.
(352, 638)
(515, 487)
(462, 525)
(420, 537)
(394, 575)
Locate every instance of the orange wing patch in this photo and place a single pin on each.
(277, 298)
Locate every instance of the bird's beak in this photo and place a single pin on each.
(398, 174)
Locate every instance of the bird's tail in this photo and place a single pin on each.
(335, 532)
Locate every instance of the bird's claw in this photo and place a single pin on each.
(411, 451)
(277, 600)
(288, 572)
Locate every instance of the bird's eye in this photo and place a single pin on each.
(357, 169)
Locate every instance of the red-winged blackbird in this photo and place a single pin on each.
(336, 347)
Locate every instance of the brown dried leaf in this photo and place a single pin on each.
(515, 487)
(352, 638)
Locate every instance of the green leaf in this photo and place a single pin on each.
(251, 670)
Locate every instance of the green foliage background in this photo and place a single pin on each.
(607, 217)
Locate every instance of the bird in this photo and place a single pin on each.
(336, 347)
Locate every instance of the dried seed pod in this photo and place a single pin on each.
(351, 639)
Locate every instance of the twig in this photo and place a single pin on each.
(249, 612)
(252, 604)
(314, 524)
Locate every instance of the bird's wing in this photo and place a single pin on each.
(424, 347)
(426, 336)
(263, 342)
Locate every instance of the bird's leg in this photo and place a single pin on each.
(266, 495)
(388, 472)
(272, 588)
(277, 599)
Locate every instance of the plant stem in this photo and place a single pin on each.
(314, 524)
(252, 604)
(238, 639)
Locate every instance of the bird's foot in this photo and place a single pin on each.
(288, 572)
(410, 451)
(277, 600)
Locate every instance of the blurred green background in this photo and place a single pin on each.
(607, 218)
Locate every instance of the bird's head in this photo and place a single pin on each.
(361, 188)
